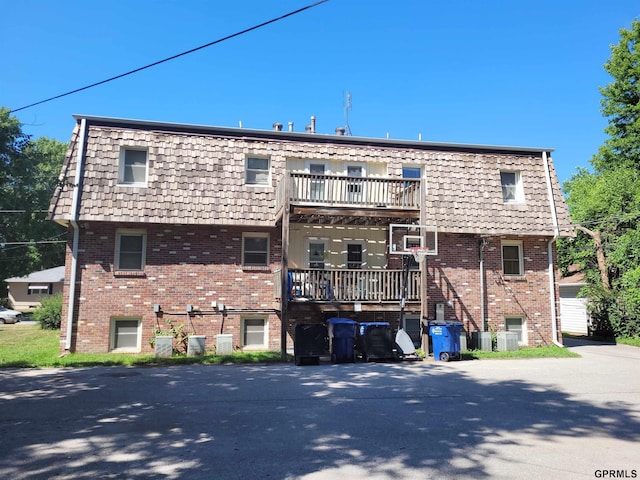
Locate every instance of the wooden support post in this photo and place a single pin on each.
(284, 272)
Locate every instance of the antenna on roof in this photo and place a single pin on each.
(347, 107)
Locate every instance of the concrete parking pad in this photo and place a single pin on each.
(542, 418)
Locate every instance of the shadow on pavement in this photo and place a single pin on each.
(281, 421)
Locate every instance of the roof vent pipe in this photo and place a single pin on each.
(308, 129)
(340, 131)
(313, 124)
(291, 126)
(277, 127)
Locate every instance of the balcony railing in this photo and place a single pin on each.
(335, 190)
(351, 285)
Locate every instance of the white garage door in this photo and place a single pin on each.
(574, 317)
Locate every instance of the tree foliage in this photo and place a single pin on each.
(28, 176)
(621, 103)
(606, 203)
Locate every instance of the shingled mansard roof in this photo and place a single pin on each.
(196, 176)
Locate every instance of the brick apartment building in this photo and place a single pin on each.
(246, 232)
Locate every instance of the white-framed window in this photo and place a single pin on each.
(255, 249)
(133, 167)
(512, 191)
(409, 171)
(512, 258)
(355, 185)
(258, 171)
(125, 334)
(317, 188)
(317, 252)
(516, 324)
(255, 333)
(131, 247)
(39, 289)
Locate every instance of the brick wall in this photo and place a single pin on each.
(454, 279)
(185, 265)
(199, 264)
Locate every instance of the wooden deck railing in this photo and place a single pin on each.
(350, 285)
(336, 190)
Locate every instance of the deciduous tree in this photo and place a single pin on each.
(605, 204)
(28, 176)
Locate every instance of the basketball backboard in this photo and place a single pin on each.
(403, 237)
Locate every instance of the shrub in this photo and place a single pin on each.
(50, 313)
(177, 332)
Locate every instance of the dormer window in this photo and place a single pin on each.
(258, 171)
(133, 167)
(512, 191)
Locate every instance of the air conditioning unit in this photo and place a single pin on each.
(224, 344)
(195, 347)
(507, 341)
(463, 341)
(163, 346)
(482, 341)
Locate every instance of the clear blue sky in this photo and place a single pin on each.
(522, 73)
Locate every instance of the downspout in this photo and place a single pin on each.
(556, 234)
(483, 243)
(76, 233)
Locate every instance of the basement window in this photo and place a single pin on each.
(125, 334)
(517, 325)
(254, 333)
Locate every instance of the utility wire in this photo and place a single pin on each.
(2, 244)
(24, 211)
(247, 30)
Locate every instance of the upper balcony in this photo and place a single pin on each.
(311, 190)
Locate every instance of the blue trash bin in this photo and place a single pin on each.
(373, 341)
(445, 338)
(342, 337)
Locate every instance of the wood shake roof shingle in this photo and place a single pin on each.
(196, 175)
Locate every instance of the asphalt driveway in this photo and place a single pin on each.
(511, 419)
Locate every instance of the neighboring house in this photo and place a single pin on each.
(25, 293)
(573, 308)
(247, 232)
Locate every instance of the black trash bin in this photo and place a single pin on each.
(342, 336)
(445, 338)
(310, 342)
(373, 341)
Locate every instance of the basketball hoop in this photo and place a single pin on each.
(419, 253)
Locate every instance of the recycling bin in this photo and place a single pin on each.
(309, 343)
(373, 341)
(342, 336)
(445, 338)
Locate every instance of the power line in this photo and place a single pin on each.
(24, 211)
(2, 244)
(247, 30)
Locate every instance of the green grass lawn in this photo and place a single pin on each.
(538, 352)
(633, 341)
(30, 346)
